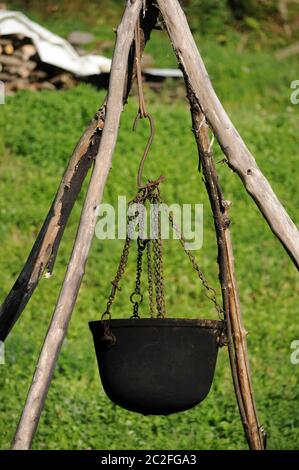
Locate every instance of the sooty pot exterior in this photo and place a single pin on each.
(157, 366)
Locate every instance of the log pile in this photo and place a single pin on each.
(21, 67)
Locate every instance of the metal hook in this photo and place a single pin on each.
(148, 145)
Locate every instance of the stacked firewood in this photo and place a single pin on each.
(21, 68)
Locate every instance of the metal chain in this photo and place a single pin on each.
(150, 279)
(120, 271)
(106, 316)
(142, 196)
(136, 297)
(210, 291)
(154, 197)
(147, 193)
(152, 194)
(122, 263)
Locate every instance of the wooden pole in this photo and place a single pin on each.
(57, 330)
(235, 330)
(239, 157)
(44, 251)
(43, 254)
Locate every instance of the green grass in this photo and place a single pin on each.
(260, 22)
(39, 131)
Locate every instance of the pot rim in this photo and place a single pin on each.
(161, 322)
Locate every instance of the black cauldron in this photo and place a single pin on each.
(157, 366)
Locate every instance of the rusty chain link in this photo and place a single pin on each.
(136, 297)
(154, 197)
(150, 279)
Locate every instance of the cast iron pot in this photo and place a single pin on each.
(157, 366)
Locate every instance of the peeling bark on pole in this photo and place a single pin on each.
(237, 346)
(57, 330)
(239, 157)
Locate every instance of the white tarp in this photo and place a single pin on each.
(53, 49)
(164, 73)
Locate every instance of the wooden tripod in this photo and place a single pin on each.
(98, 142)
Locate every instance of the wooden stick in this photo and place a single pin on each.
(239, 157)
(43, 254)
(236, 333)
(75, 271)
